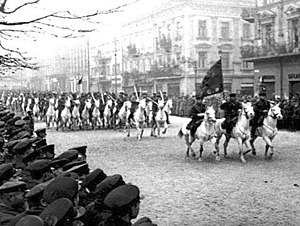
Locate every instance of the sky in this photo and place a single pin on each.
(44, 45)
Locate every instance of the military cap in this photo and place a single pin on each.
(80, 170)
(41, 130)
(26, 118)
(20, 123)
(72, 175)
(10, 145)
(61, 187)
(40, 143)
(24, 134)
(59, 163)
(108, 184)
(37, 190)
(81, 150)
(70, 165)
(48, 148)
(124, 195)
(11, 114)
(232, 95)
(5, 118)
(31, 156)
(6, 171)
(94, 178)
(2, 124)
(4, 113)
(10, 121)
(17, 118)
(70, 154)
(42, 165)
(262, 94)
(30, 220)
(61, 209)
(22, 145)
(12, 187)
(35, 139)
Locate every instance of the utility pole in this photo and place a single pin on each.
(116, 85)
(88, 65)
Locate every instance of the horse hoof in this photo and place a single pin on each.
(199, 159)
(253, 152)
(243, 161)
(193, 155)
(218, 158)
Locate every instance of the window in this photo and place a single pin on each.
(225, 60)
(295, 33)
(268, 35)
(202, 29)
(202, 59)
(246, 31)
(225, 30)
(247, 65)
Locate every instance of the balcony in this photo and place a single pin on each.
(254, 52)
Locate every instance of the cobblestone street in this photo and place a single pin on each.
(180, 191)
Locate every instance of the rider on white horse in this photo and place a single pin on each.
(261, 108)
(197, 114)
(231, 110)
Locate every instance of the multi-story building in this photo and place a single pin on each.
(172, 48)
(275, 48)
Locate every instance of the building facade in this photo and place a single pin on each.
(275, 49)
(172, 48)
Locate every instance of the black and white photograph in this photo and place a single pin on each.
(149, 113)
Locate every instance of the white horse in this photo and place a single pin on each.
(160, 119)
(96, 114)
(66, 115)
(123, 116)
(241, 131)
(28, 105)
(205, 132)
(168, 107)
(107, 114)
(85, 114)
(75, 115)
(50, 114)
(139, 118)
(36, 109)
(268, 130)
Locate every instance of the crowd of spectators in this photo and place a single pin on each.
(39, 187)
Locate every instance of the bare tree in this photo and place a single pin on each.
(63, 24)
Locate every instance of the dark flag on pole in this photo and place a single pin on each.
(79, 81)
(213, 81)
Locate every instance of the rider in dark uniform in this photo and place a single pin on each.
(197, 113)
(261, 108)
(231, 111)
(60, 106)
(134, 105)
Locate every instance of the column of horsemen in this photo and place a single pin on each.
(85, 110)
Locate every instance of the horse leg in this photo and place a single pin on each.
(252, 144)
(142, 130)
(200, 150)
(268, 145)
(165, 128)
(248, 146)
(217, 149)
(189, 144)
(240, 144)
(226, 145)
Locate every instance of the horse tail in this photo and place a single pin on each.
(180, 133)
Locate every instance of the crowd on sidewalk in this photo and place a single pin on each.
(39, 187)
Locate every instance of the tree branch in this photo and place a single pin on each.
(19, 7)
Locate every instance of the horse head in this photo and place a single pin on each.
(160, 104)
(248, 110)
(142, 103)
(128, 105)
(88, 104)
(109, 103)
(275, 111)
(210, 115)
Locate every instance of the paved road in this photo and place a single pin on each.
(182, 191)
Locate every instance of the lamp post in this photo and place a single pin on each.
(195, 70)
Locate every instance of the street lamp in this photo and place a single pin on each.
(195, 70)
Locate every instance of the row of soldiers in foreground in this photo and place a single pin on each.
(40, 188)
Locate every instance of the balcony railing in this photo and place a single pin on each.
(276, 49)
